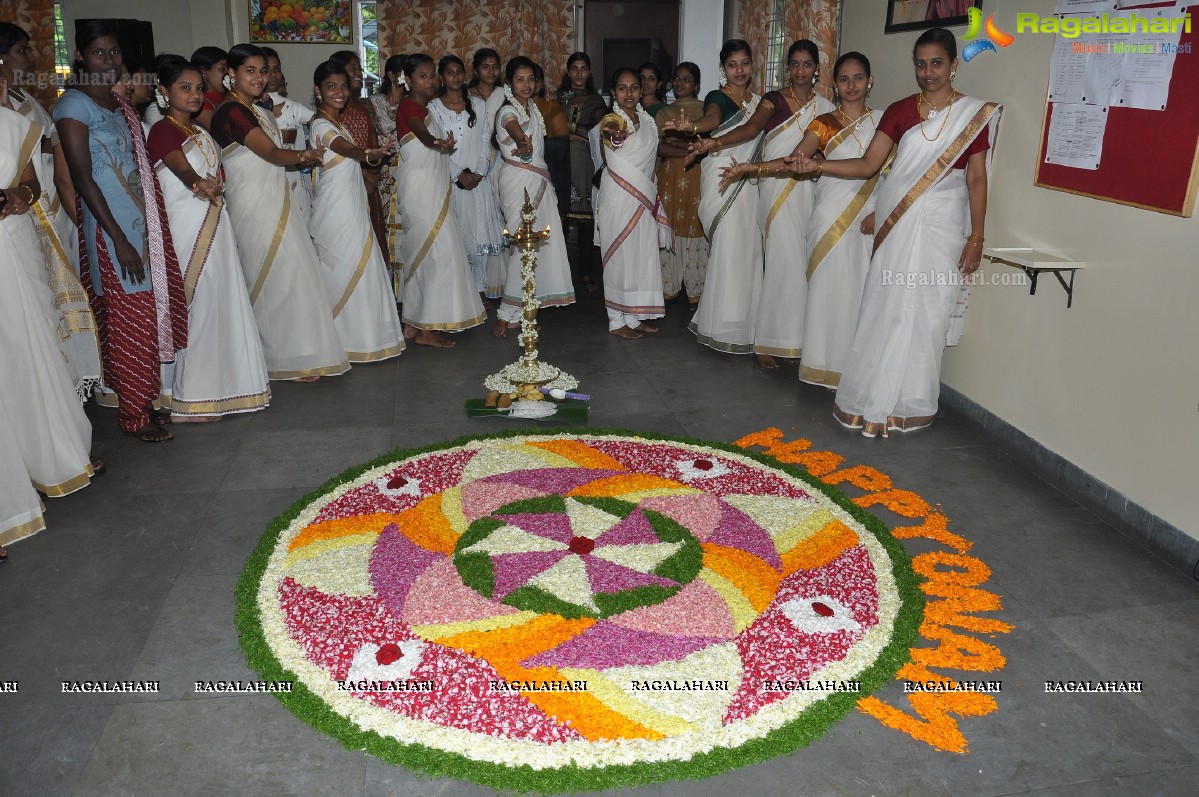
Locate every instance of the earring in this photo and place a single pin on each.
(160, 100)
(815, 77)
(953, 74)
(724, 78)
(227, 82)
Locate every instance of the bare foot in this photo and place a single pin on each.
(427, 337)
(500, 330)
(626, 333)
(767, 362)
(410, 332)
(305, 379)
(644, 327)
(197, 418)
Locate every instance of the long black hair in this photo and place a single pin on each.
(86, 32)
(852, 55)
(328, 69)
(10, 34)
(577, 56)
(394, 64)
(413, 60)
(208, 57)
(476, 59)
(636, 73)
(938, 36)
(735, 46)
(239, 53)
(171, 68)
(445, 61)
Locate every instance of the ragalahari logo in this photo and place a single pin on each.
(994, 36)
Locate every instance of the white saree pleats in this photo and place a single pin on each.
(516, 178)
(728, 308)
(357, 282)
(892, 374)
(280, 267)
(784, 212)
(627, 222)
(59, 240)
(222, 370)
(439, 291)
(839, 258)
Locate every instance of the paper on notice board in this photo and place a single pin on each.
(1149, 64)
(1083, 6)
(1076, 136)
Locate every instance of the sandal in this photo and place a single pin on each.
(151, 434)
(160, 417)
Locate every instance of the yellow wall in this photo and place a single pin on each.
(1111, 384)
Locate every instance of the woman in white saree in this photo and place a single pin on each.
(520, 134)
(222, 371)
(627, 214)
(839, 241)
(353, 267)
(278, 260)
(439, 292)
(37, 395)
(52, 215)
(457, 111)
(728, 308)
(935, 192)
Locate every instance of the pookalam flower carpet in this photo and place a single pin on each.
(549, 611)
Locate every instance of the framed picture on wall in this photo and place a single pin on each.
(903, 15)
(301, 21)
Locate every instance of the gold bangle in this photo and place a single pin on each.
(32, 199)
(819, 170)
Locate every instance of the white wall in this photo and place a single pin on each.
(1111, 384)
(702, 32)
(181, 26)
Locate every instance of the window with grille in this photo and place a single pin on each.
(776, 46)
(62, 58)
(368, 47)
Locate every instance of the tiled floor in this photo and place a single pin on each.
(134, 580)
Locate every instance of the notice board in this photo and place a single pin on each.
(1149, 157)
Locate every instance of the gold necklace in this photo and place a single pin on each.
(743, 102)
(932, 114)
(336, 123)
(932, 111)
(800, 107)
(193, 133)
(243, 103)
(854, 126)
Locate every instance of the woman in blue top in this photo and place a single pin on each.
(118, 252)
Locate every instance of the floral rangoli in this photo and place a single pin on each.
(555, 611)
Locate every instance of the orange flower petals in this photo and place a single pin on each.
(614, 486)
(821, 548)
(426, 525)
(935, 527)
(342, 527)
(579, 453)
(956, 651)
(755, 579)
(901, 502)
(973, 571)
(861, 476)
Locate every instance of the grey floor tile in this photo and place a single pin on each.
(81, 631)
(1155, 644)
(388, 780)
(250, 746)
(46, 747)
(231, 527)
(1163, 783)
(270, 460)
(194, 639)
(348, 401)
